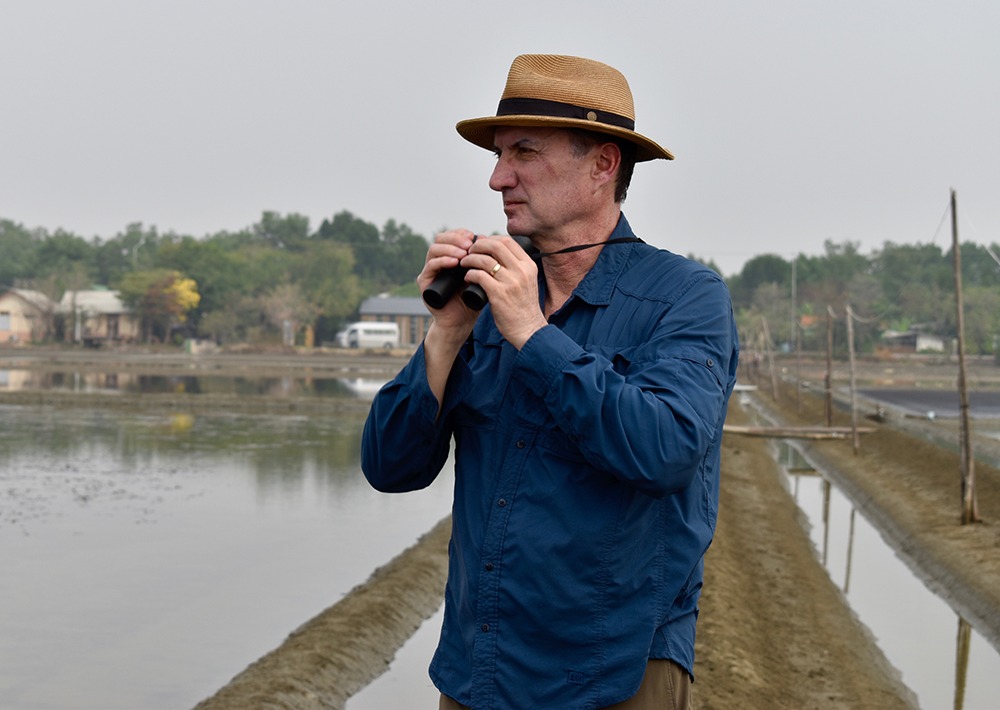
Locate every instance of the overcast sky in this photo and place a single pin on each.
(793, 122)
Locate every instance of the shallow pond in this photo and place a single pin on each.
(916, 630)
(149, 558)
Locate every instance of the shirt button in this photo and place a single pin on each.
(520, 444)
(489, 566)
(502, 502)
(486, 627)
(710, 362)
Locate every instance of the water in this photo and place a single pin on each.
(983, 404)
(916, 630)
(114, 383)
(148, 558)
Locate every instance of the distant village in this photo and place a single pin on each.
(280, 282)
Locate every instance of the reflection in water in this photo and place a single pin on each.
(110, 383)
(148, 558)
(893, 603)
(962, 661)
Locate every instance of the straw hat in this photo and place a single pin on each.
(564, 92)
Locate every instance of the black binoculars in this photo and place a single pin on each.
(450, 281)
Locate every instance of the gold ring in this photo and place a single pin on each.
(496, 268)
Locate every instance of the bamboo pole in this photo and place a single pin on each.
(770, 360)
(828, 380)
(798, 369)
(854, 408)
(967, 468)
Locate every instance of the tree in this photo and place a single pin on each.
(982, 318)
(757, 272)
(289, 232)
(221, 275)
(162, 298)
(287, 308)
(404, 253)
(325, 273)
(348, 229)
(18, 249)
(237, 320)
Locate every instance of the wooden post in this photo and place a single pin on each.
(828, 380)
(967, 469)
(793, 340)
(850, 551)
(854, 409)
(770, 359)
(798, 369)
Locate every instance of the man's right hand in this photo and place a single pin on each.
(447, 250)
(454, 321)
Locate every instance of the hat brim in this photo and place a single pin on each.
(479, 131)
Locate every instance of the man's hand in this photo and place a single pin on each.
(447, 251)
(512, 288)
(452, 322)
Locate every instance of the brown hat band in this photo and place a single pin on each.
(557, 109)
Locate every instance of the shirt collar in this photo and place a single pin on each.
(599, 283)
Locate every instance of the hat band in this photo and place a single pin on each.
(557, 109)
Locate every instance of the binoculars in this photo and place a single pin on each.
(450, 281)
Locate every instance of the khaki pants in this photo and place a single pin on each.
(666, 686)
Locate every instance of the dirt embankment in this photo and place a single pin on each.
(774, 631)
(338, 652)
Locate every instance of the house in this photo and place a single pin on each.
(97, 317)
(408, 312)
(912, 341)
(25, 316)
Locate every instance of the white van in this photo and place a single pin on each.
(370, 334)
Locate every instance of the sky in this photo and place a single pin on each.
(793, 122)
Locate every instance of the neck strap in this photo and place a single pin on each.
(581, 247)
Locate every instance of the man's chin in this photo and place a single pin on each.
(516, 229)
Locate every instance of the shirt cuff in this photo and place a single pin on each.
(544, 356)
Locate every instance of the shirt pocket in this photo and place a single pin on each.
(558, 443)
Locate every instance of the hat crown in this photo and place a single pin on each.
(559, 91)
(571, 80)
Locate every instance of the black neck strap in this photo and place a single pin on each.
(581, 247)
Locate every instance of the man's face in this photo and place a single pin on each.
(545, 186)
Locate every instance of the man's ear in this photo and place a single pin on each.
(607, 158)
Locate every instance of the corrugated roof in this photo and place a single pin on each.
(99, 302)
(393, 306)
(33, 298)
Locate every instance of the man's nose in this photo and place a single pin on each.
(502, 176)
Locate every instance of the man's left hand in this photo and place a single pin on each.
(512, 288)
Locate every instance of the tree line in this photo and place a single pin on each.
(900, 287)
(255, 285)
(280, 276)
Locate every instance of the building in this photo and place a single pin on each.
(912, 342)
(25, 316)
(408, 312)
(98, 317)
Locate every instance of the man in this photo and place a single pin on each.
(586, 402)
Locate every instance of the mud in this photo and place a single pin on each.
(338, 652)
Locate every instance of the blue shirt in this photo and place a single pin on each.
(586, 482)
